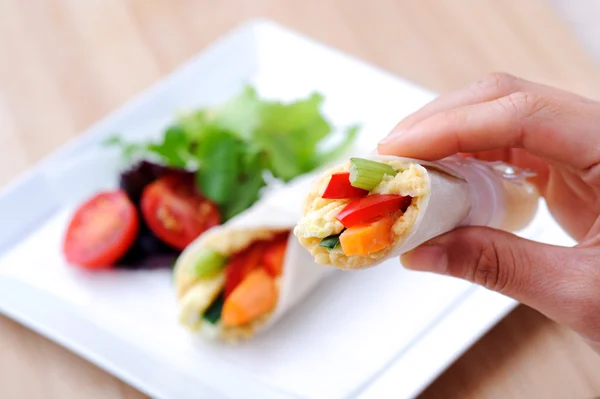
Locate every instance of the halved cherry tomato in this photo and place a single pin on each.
(274, 255)
(176, 211)
(339, 187)
(241, 264)
(101, 230)
(367, 208)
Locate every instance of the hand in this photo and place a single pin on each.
(553, 132)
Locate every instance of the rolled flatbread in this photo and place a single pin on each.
(439, 196)
(270, 220)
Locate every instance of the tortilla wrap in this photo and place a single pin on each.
(277, 212)
(445, 195)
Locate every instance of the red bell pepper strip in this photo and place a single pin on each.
(339, 187)
(241, 264)
(274, 255)
(364, 209)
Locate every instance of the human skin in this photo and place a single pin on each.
(556, 134)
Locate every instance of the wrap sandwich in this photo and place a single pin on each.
(376, 207)
(240, 277)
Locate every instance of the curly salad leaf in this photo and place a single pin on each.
(231, 147)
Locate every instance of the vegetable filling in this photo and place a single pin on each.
(250, 289)
(368, 217)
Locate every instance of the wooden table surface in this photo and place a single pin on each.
(65, 64)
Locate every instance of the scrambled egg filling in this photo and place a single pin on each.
(319, 220)
(407, 182)
(320, 217)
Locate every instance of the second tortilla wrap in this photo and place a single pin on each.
(277, 212)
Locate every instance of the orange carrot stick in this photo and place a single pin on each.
(256, 295)
(366, 238)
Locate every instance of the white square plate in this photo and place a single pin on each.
(383, 332)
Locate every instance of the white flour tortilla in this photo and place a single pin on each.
(455, 192)
(277, 211)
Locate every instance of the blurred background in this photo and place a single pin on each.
(64, 64)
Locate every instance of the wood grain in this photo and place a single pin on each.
(65, 64)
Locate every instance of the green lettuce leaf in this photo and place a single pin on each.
(233, 145)
(220, 153)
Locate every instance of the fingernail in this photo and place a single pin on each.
(426, 258)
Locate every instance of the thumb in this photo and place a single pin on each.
(561, 282)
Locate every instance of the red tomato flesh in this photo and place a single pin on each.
(101, 230)
(364, 209)
(274, 255)
(176, 211)
(339, 187)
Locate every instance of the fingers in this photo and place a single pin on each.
(560, 282)
(490, 87)
(524, 160)
(553, 128)
(570, 200)
(521, 159)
